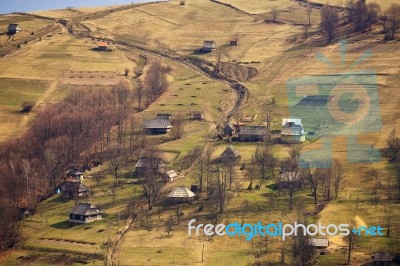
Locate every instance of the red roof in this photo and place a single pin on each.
(102, 44)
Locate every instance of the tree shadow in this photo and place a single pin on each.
(63, 225)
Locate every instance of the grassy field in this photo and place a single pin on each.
(279, 53)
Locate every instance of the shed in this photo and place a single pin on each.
(319, 242)
(157, 126)
(170, 176)
(13, 28)
(230, 154)
(381, 258)
(252, 133)
(198, 116)
(208, 46)
(229, 130)
(249, 118)
(181, 192)
(85, 213)
(292, 131)
(233, 42)
(102, 46)
(148, 165)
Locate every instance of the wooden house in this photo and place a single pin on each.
(230, 154)
(252, 133)
(85, 213)
(74, 190)
(102, 46)
(170, 176)
(292, 131)
(233, 42)
(381, 259)
(229, 130)
(157, 126)
(181, 193)
(74, 176)
(208, 46)
(13, 28)
(147, 165)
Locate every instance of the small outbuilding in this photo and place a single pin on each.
(170, 176)
(102, 46)
(147, 165)
(74, 190)
(233, 42)
(319, 242)
(13, 28)
(181, 192)
(198, 116)
(208, 46)
(85, 213)
(229, 130)
(157, 126)
(381, 259)
(74, 176)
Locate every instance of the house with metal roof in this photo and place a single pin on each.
(381, 258)
(181, 192)
(292, 131)
(13, 28)
(85, 213)
(208, 46)
(230, 154)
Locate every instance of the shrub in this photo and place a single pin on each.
(27, 106)
(182, 2)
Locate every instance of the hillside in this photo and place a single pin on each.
(252, 74)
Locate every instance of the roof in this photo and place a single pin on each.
(157, 123)
(147, 162)
(13, 26)
(209, 44)
(292, 130)
(76, 188)
(319, 242)
(381, 256)
(295, 121)
(164, 116)
(230, 152)
(229, 127)
(171, 174)
(181, 192)
(102, 44)
(75, 173)
(252, 130)
(290, 176)
(85, 209)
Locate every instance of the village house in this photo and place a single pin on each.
(181, 193)
(233, 42)
(147, 165)
(102, 46)
(157, 126)
(252, 133)
(230, 154)
(249, 118)
(170, 176)
(13, 28)
(319, 242)
(85, 213)
(229, 130)
(74, 176)
(74, 190)
(292, 131)
(208, 46)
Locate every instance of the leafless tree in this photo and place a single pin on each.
(351, 241)
(274, 13)
(178, 125)
(393, 15)
(169, 224)
(309, 10)
(329, 21)
(139, 94)
(155, 80)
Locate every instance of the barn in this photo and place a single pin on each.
(208, 46)
(292, 131)
(85, 213)
(13, 28)
(252, 133)
(157, 126)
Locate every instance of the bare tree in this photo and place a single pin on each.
(393, 15)
(291, 179)
(169, 225)
(329, 21)
(351, 241)
(178, 126)
(274, 13)
(309, 10)
(156, 80)
(139, 94)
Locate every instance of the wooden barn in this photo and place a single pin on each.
(208, 46)
(292, 131)
(252, 133)
(147, 165)
(74, 176)
(102, 46)
(13, 28)
(230, 154)
(157, 126)
(85, 213)
(229, 130)
(198, 116)
(170, 176)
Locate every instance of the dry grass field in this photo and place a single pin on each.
(279, 53)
